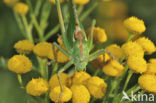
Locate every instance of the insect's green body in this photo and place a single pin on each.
(78, 57)
(77, 44)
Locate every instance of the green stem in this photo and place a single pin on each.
(55, 68)
(21, 27)
(80, 8)
(43, 67)
(51, 33)
(118, 84)
(87, 12)
(130, 73)
(37, 26)
(28, 31)
(130, 37)
(19, 77)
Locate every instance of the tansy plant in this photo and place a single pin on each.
(63, 66)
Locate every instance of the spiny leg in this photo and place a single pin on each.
(59, 78)
(98, 53)
(62, 50)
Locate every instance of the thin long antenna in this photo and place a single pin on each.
(75, 13)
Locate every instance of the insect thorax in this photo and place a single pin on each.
(80, 56)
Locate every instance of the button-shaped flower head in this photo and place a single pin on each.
(96, 86)
(113, 68)
(19, 64)
(56, 92)
(135, 25)
(37, 87)
(80, 94)
(21, 8)
(24, 46)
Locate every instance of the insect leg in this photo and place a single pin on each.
(62, 50)
(98, 53)
(59, 78)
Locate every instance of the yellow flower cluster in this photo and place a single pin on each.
(45, 50)
(37, 87)
(96, 86)
(115, 51)
(19, 64)
(99, 35)
(147, 45)
(135, 51)
(132, 49)
(113, 68)
(10, 2)
(151, 67)
(21, 8)
(79, 86)
(135, 25)
(24, 46)
(100, 61)
(148, 82)
(137, 64)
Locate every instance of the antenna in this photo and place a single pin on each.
(75, 14)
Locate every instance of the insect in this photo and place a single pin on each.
(76, 42)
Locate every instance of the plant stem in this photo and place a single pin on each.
(19, 77)
(51, 33)
(87, 12)
(28, 31)
(130, 73)
(54, 69)
(21, 27)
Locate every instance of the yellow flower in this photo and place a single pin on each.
(53, 82)
(55, 93)
(43, 49)
(148, 82)
(53, 1)
(99, 35)
(81, 2)
(137, 64)
(37, 87)
(21, 8)
(10, 2)
(61, 58)
(19, 64)
(101, 60)
(113, 68)
(147, 45)
(133, 24)
(80, 94)
(132, 49)
(151, 67)
(115, 50)
(24, 46)
(153, 60)
(96, 86)
(80, 77)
